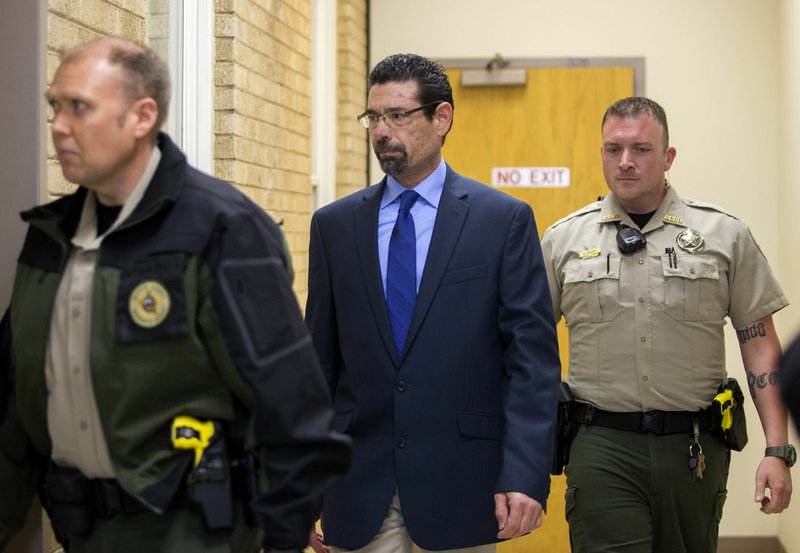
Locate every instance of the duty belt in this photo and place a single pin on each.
(108, 499)
(103, 498)
(654, 422)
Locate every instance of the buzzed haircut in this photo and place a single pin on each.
(146, 75)
(634, 106)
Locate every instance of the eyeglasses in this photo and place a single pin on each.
(393, 117)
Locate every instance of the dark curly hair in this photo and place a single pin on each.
(430, 76)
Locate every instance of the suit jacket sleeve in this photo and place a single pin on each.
(532, 365)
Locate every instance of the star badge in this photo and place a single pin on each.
(690, 240)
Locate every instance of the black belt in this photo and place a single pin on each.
(109, 499)
(103, 498)
(655, 422)
(74, 501)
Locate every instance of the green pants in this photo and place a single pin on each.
(634, 493)
(175, 531)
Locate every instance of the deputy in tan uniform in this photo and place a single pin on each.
(645, 279)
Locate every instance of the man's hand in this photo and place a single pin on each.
(517, 514)
(773, 473)
(315, 542)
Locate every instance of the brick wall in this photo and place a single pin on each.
(353, 146)
(263, 112)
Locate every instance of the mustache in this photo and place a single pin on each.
(386, 146)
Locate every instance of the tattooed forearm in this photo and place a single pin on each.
(760, 381)
(755, 330)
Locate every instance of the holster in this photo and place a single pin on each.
(244, 471)
(210, 484)
(564, 433)
(727, 415)
(66, 497)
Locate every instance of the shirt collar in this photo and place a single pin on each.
(86, 233)
(430, 188)
(671, 210)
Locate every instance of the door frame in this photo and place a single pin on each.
(22, 113)
(637, 63)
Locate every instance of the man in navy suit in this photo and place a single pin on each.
(451, 411)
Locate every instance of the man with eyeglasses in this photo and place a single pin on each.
(645, 279)
(429, 309)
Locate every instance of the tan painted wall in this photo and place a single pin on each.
(789, 223)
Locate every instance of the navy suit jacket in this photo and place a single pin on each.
(468, 409)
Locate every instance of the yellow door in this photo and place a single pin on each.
(552, 123)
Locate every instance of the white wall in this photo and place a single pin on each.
(720, 68)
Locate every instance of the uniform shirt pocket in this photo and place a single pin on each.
(692, 289)
(591, 289)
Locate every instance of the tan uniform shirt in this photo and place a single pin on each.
(75, 427)
(646, 328)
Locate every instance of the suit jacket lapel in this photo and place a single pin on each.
(450, 219)
(366, 229)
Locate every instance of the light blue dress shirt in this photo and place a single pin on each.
(423, 211)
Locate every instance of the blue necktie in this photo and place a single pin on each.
(401, 271)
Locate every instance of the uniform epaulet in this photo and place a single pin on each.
(594, 206)
(706, 205)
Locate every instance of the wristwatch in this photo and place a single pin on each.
(785, 452)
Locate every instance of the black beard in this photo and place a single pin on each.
(394, 166)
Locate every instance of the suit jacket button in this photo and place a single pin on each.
(401, 386)
(401, 443)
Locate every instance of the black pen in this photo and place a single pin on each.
(608, 263)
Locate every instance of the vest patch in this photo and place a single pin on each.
(149, 304)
